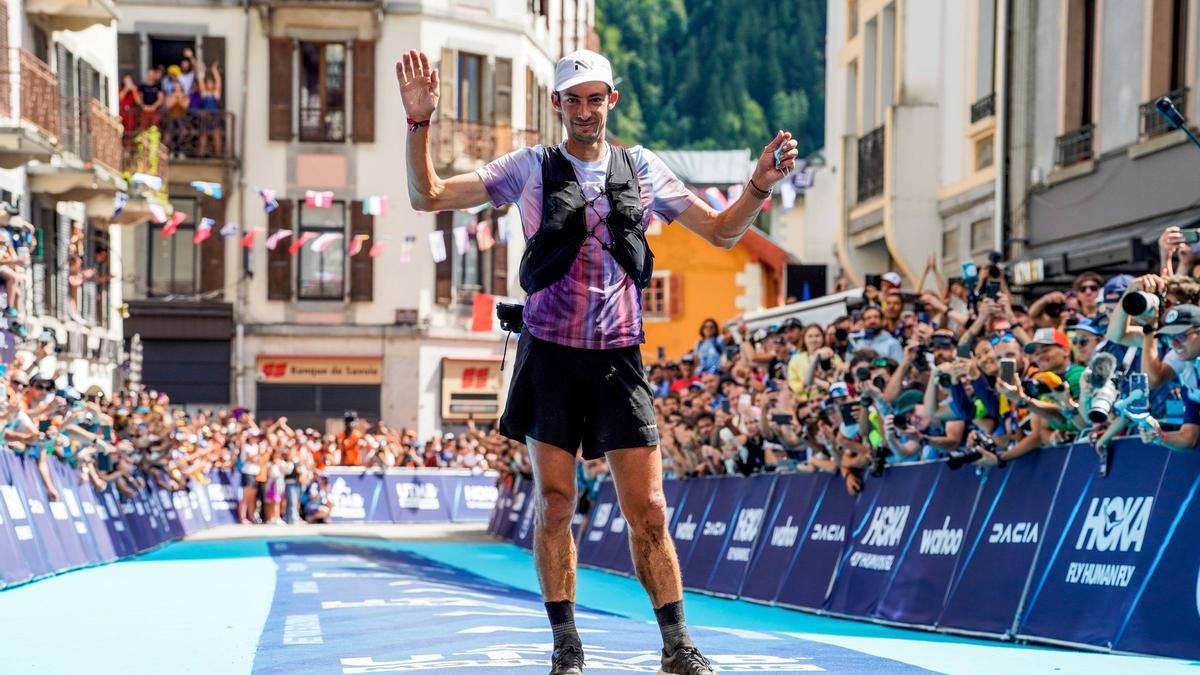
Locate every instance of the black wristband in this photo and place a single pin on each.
(765, 193)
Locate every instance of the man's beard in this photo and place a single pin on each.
(588, 139)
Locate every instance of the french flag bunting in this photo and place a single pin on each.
(502, 228)
(375, 206)
(248, 237)
(158, 213)
(173, 224)
(268, 197)
(203, 230)
(356, 244)
(276, 237)
(151, 181)
(460, 239)
(376, 249)
(716, 198)
(209, 189)
(735, 191)
(229, 230)
(315, 199)
(483, 236)
(437, 246)
(406, 248)
(324, 241)
(300, 241)
(119, 201)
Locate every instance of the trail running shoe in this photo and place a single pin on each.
(685, 661)
(567, 660)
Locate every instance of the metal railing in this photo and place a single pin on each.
(1150, 123)
(36, 87)
(454, 140)
(190, 134)
(91, 132)
(983, 108)
(870, 164)
(1074, 146)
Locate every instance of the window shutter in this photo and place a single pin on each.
(129, 60)
(529, 87)
(212, 49)
(503, 92)
(675, 295)
(364, 91)
(280, 91)
(362, 266)
(448, 73)
(499, 259)
(212, 250)
(279, 261)
(443, 288)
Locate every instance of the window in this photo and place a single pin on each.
(984, 150)
(45, 261)
(322, 91)
(470, 87)
(469, 272)
(96, 276)
(654, 297)
(851, 19)
(323, 274)
(981, 234)
(950, 244)
(173, 259)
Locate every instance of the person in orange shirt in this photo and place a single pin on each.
(350, 441)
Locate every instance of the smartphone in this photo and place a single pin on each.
(779, 153)
(991, 288)
(725, 406)
(782, 420)
(1191, 236)
(662, 352)
(731, 352)
(1008, 370)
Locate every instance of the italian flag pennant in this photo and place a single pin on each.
(276, 237)
(300, 241)
(203, 230)
(314, 199)
(324, 241)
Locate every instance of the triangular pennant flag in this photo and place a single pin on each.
(153, 182)
(268, 197)
(158, 213)
(735, 191)
(716, 198)
(481, 312)
(276, 237)
(406, 248)
(300, 241)
(203, 230)
(356, 244)
(211, 189)
(375, 206)
(315, 199)
(177, 219)
(229, 230)
(437, 245)
(322, 242)
(119, 201)
(787, 195)
(476, 209)
(483, 236)
(376, 249)
(804, 179)
(460, 239)
(502, 228)
(248, 238)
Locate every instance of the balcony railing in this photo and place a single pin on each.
(36, 87)
(146, 153)
(1152, 124)
(983, 108)
(91, 132)
(190, 134)
(1074, 146)
(870, 164)
(452, 141)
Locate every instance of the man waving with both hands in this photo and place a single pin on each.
(578, 380)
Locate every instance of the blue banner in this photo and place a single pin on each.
(522, 533)
(714, 531)
(591, 546)
(60, 544)
(114, 522)
(416, 498)
(790, 515)
(690, 515)
(359, 497)
(745, 532)
(915, 593)
(20, 556)
(816, 557)
(474, 498)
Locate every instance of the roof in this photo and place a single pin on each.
(703, 168)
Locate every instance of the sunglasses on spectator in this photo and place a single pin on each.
(1089, 288)
(1005, 337)
(1081, 341)
(43, 387)
(19, 385)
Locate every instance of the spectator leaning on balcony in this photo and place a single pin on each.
(150, 98)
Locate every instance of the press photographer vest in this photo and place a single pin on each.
(552, 250)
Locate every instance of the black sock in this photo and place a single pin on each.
(562, 622)
(672, 625)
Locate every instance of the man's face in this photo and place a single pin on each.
(794, 335)
(1051, 358)
(872, 319)
(584, 110)
(1187, 345)
(1085, 346)
(705, 425)
(670, 405)
(892, 306)
(710, 381)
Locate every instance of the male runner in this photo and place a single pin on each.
(578, 378)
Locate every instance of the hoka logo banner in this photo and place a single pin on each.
(346, 503)
(748, 523)
(1115, 522)
(887, 525)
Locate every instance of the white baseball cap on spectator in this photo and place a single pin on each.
(582, 66)
(893, 279)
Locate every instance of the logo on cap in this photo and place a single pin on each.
(1171, 316)
(583, 65)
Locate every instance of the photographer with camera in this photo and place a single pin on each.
(1181, 326)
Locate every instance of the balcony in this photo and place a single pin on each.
(73, 15)
(29, 101)
(464, 145)
(1074, 147)
(983, 108)
(1150, 123)
(92, 133)
(145, 152)
(870, 165)
(200, 142)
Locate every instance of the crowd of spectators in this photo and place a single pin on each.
(182, 100)
(958, 369)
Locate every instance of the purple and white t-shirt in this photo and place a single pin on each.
(596, 305)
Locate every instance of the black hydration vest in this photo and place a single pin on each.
(552, 250)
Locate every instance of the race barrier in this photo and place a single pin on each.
(84, 527)
(1044, 550)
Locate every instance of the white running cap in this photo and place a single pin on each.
(582, 66)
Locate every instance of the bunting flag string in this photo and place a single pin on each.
(158, 213)
(324, 241)
(787, 195)
(376, 249)
(177, 219)
(229, 230)
(437, 246)
(406, 248)
(315, 199)
(375, 206)
(356, 244)
(502, 228)
(151, 181)
(208, 189)
(119, 201)
(716, 198)
(276, 237)
(248, 237)
(735, 191)
(203, 230)
(483, 235)
(268, 197)
(299, 242)
(460, 239)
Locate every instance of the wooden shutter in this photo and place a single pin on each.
(443, 288)
(279, 261)
(502, 88)
(364, 91)
(362, 266)
(212, 49)
(675, 295)
(448, 73)
(499, 257)
(529, 93)
(129, 60)
(212, 250)
(280, 91)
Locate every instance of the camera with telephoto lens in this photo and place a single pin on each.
(973, 453)
(1142, 307)
(944, 380)
(878, 461)
(511, 316)
(862, 374)
(1102, 377)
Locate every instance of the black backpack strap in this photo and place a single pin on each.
(621, 171)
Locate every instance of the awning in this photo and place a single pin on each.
(73, 15)
(72, 184)
(19, 145)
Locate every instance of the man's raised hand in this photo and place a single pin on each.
(419, 85)
(765, 173)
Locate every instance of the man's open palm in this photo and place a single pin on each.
(419, 85)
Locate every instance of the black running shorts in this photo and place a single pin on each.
(567, 396)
